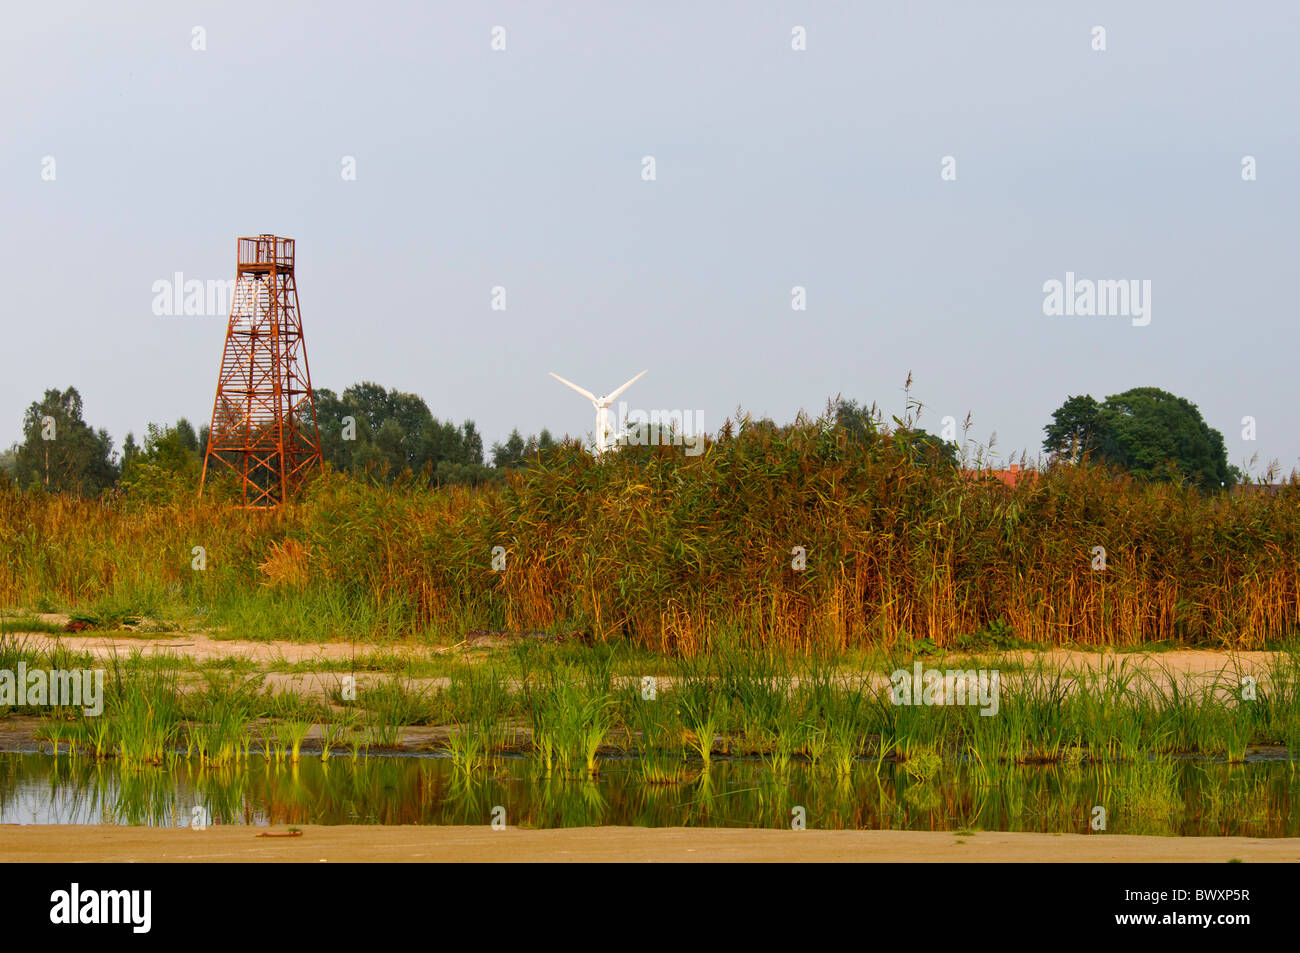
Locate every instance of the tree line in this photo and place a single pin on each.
(367, 431)
(388, 435)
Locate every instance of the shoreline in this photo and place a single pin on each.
(36, 843)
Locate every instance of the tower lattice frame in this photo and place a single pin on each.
(264, 415)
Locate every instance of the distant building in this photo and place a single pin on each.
(1010, 477)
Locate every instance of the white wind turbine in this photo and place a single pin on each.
(604, 439)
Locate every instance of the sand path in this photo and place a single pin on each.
(201, 647)
(635, 844)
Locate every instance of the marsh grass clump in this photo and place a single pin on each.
(52, 731)
(570, 711)
(221, 737)
(399, 702)
(331, 732)
(844, 745)
(654, 730)
(393, 704)
(356, 741)
(479, 702)
(292, 734)
(218, 720)
(470, 745)
(702, 719)
(147, 727)
(382, 733)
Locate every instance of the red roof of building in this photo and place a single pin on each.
(1009, 477)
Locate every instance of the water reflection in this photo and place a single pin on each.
(1185, 797)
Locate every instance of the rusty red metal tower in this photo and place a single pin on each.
(264, 416)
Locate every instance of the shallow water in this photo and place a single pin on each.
(1205, 798)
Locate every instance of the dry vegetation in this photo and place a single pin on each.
(667, 550)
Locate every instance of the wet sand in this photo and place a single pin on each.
(319, 844)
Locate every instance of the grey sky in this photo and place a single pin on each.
(775, 168)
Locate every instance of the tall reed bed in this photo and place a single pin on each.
(668, 550)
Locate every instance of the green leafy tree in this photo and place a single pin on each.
(925, 448)
(1076, 429)
(471, 443)
(60, 451)
(517, 451)
(174, 448)
(1149, 432)
(1157, 436)
(510, 453)
(469, 474)
(130, 450)
(856, 420)
(369, 460)
(397, 451)
(168, 465)
(862, 424)
(386, 433)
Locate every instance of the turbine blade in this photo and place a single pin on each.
(585, 393)
(628, 384)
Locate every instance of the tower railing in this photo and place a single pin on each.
(264, 253)
(264, 427)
